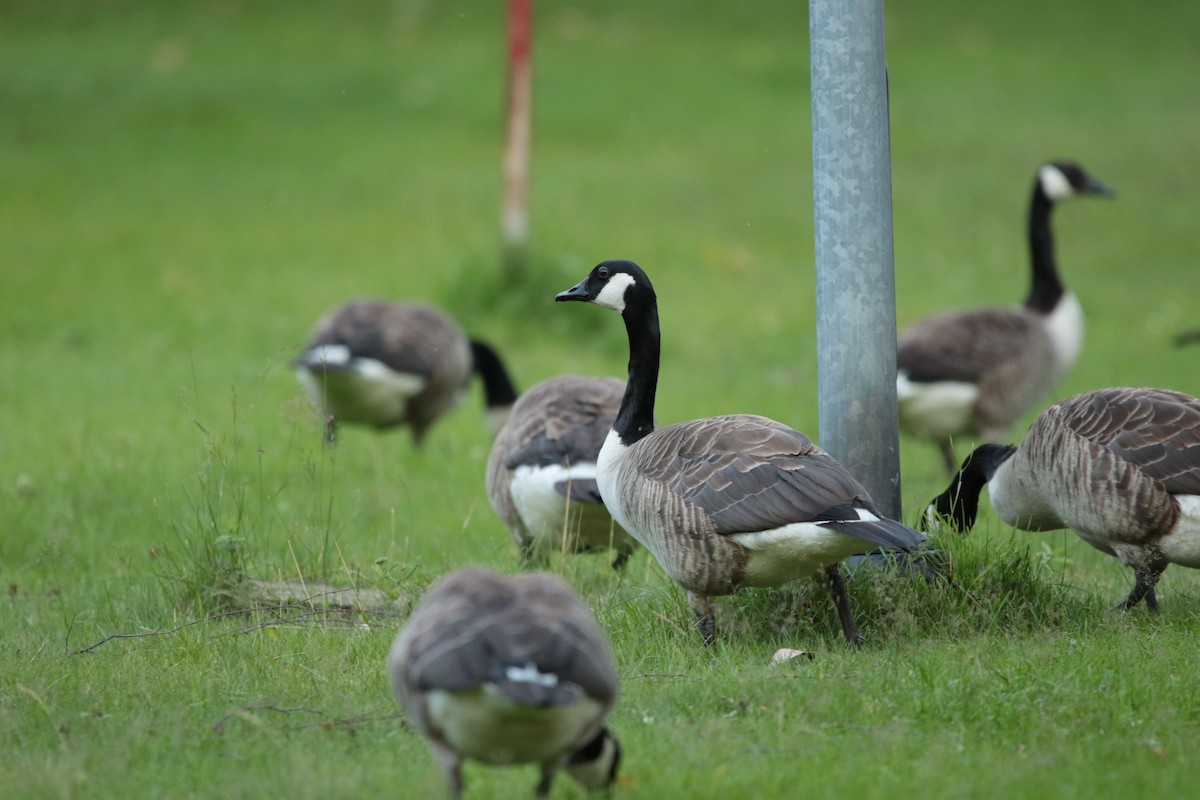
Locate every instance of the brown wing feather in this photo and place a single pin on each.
(1156, 430)
(964, 345)
(748, 473)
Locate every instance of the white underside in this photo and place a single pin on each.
(936, 409)
(555, 523)
(798, 550)
(368, 392)
(540, 505)
(485, 725)
(1182, 545)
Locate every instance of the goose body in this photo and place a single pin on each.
(976, 372)
(541, 473)
(508, 671)
(384, 365)
(729, 501)
(1119, 467)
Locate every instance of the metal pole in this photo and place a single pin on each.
(856, 289)
(514, 214)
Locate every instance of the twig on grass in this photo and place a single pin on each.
(302, 611)
(247, 713)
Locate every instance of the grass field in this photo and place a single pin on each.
(185, 187)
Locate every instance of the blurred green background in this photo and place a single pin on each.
(186, 187)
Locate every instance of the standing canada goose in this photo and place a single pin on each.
(1119, 467)
(372, 362)
(508, 671)
(977, 372)
(730, 501)
(541, 474)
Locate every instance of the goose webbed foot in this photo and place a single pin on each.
(1145, 580)
(841, 600)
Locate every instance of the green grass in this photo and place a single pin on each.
(186, 187)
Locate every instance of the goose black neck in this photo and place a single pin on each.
(960, 502)
(635, 419)
(1047, 287)
(498, 389)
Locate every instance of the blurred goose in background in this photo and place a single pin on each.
(383, 364)
(541, 474)
(1184, 338)
(729, 501)
(976, 372)
(1119, 467)
(508, 671)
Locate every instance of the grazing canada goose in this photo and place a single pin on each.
(372, 362)
(730, 501)
(541, 474)
(1119, 467)
(508, 671)
(977, 372)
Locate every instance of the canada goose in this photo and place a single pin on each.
(977, 372)
(730, 501)
(508, 671)
(1119, 467)
(541, 474)
(383, 364)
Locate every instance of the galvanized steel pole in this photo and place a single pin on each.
(856, 289)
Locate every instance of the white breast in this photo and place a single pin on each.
(1065, 326)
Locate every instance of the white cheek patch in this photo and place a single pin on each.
(613, 294)
(1054, 183)
(336, 354)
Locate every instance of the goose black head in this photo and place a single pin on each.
(595, 765)
(1061, 180)
(612, 284)
(959, 504)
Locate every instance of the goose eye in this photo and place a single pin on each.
(602, 273)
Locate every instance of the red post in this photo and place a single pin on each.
(517, 127)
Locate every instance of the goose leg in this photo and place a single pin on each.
(330, 431)
(453, 769)
(621, 559)
(706, 621)
(841, 599)
(542, 789)
(1145, 579)
(948, 456)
